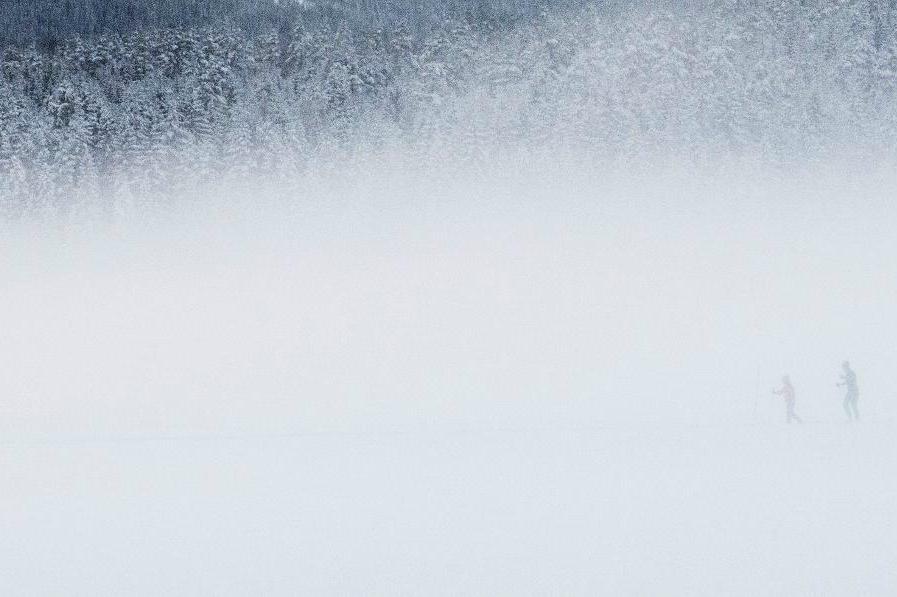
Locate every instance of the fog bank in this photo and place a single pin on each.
(399, 301)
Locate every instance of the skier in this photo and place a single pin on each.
(849, 380)
(787, 392)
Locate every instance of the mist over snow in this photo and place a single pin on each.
(393, 301)
(484, 301)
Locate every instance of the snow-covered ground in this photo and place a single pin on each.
(547, 384)
(723, 510)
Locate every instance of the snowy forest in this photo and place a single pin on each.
(126, 102)
(448, 297)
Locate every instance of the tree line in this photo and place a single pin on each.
(47, 23)
(141, 113)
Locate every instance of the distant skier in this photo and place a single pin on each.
(849, 381)
(787, 392)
